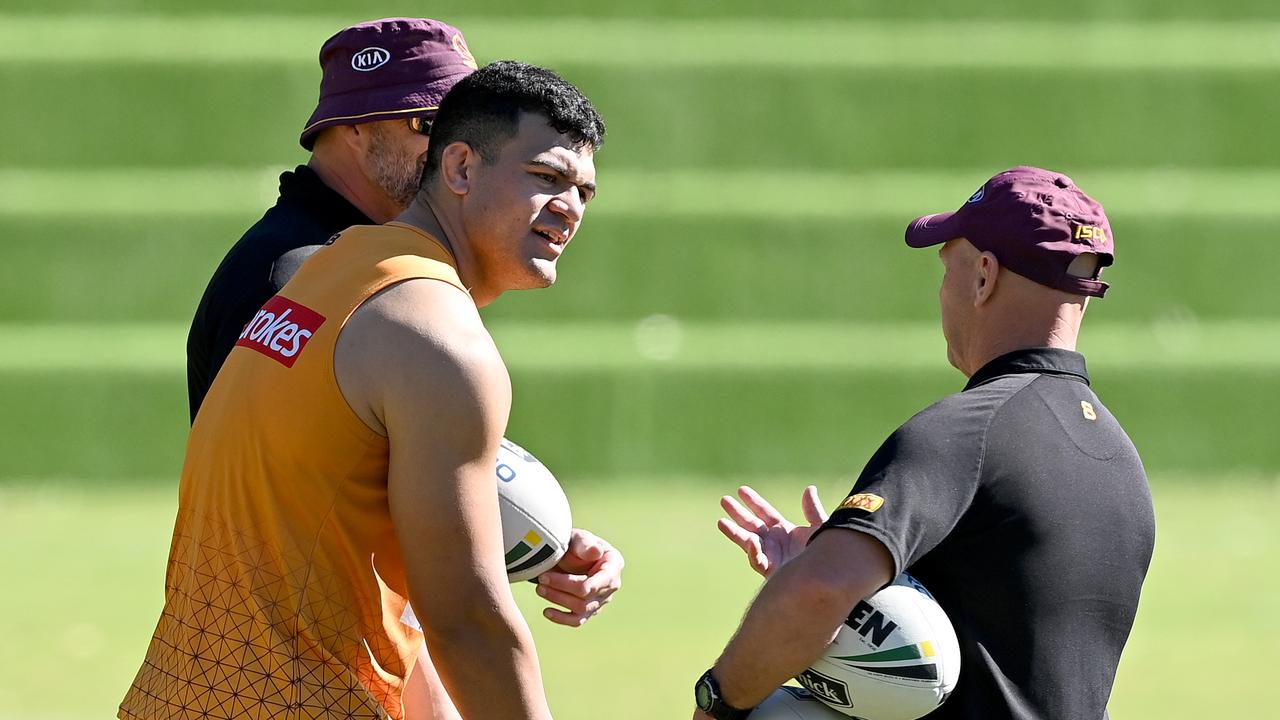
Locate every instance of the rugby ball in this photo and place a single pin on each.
(896, 657)
(793, 703)
(536, 521)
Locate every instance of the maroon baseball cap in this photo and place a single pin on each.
(1035, 221)
(382, 69)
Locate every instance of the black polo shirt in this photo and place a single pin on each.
(1023, 506)
(307, 214)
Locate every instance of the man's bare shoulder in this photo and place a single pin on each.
(420, 343)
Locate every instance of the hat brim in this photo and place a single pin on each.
(929, 230)
(361, 107)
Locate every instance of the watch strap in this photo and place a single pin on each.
(708, 699)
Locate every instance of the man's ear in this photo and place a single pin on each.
(355, 137)
(985, 279)
(457, 167)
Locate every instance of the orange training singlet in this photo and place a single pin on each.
(285, 582)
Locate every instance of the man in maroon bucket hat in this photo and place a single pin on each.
(1019, 502)
(383, 81)
(393, 69)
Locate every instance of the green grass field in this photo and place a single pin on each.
(738, 303)
(93, 560)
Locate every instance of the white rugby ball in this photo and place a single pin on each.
(793, 703)
(536, 521)
(896, 657)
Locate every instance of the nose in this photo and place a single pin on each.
(569, 204)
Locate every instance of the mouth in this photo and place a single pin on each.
(554, 236)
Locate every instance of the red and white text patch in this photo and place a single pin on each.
(281, 330)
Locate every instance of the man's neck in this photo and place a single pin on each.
(1006, 337)
(352, 185)
(430, 216)
(991, 351)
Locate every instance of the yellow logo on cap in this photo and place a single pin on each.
(1091, 233)
(862, 501)
(461, 46)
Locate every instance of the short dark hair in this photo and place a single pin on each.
(483, 110)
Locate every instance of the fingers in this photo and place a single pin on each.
(759, 514)
(761, 507)
(586, 587)
(749, 542)
(584, 552)
(742, 516)
(585, 545)
(560, 617)
(589, 554)
(601, 580)
(576, 610)
(584, 580)
(812, 506)
(606, 577)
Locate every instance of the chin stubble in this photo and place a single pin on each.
(394, 171)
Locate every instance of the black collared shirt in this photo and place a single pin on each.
(307, 214)
(1022, 505)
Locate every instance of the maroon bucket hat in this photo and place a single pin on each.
(1035, 221)
(382, 69)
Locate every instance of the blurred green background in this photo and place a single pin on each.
(738, 306)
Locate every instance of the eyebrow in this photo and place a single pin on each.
(562, 171)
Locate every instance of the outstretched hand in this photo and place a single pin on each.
(584, 580)
(768, 539)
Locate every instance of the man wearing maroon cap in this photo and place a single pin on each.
(1019, 502)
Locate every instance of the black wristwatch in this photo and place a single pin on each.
(706, 693)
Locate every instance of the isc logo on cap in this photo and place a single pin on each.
(370, 58)
(281, 330)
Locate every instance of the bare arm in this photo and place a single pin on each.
(797, 613)
(416, 363)
(424, 696)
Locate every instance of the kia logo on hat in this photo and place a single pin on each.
(977, 197)
(370, 58)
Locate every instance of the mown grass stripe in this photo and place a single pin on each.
(1169, 45)
(1167, 192)
(662, 342)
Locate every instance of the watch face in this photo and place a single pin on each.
(702, 695)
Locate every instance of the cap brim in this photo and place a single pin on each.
(935, 229)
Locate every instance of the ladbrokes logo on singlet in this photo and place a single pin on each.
(281, 330)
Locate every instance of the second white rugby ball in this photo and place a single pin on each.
(536, 522)
(896, 657)
(793, 703)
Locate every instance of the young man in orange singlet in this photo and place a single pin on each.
(342, 463)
